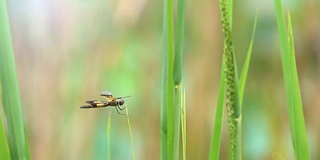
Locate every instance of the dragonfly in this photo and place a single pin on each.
(117, 102)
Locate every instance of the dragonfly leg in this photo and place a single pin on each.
(122, 108)
(117, 108)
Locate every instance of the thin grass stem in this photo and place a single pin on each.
(108, 136)
(131, 137)
(184, 125)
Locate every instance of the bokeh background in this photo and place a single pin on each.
(70, 51)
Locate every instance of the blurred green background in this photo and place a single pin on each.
(70, 51)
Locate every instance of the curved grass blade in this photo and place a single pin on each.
(10, 90)
(243, 76)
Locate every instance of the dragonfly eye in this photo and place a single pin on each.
(121, 102)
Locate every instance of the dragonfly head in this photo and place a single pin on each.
(121, 102)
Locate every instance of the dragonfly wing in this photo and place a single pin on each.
(107, 95)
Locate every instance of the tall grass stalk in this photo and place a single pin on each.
(171, 80)
(167, 91)
(232, 104)
(291, 81)
(216, 135)
(232, 87)
(10, 90)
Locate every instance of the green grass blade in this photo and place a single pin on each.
(294, 102)
(4, 148)
(216, 135)
(167, 92)
(241, 88)
(28, 156)
(297, 110)
(10, 90)
(243, 76)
